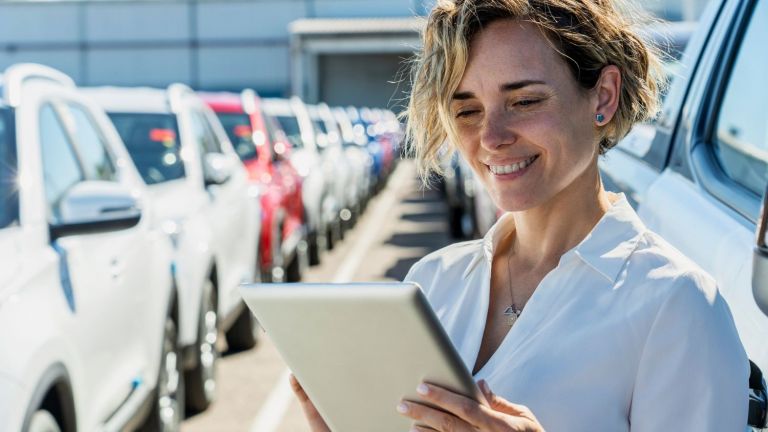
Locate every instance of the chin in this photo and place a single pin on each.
(515, 202)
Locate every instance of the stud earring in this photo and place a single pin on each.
(599, 117)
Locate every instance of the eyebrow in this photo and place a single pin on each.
(506, 87)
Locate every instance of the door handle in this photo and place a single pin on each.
(116, 268)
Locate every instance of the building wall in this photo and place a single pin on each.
(362, 79)
(208, 44)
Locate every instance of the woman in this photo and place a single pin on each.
(577, 316)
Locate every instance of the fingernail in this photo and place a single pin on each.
(402, 408)
(422, 389)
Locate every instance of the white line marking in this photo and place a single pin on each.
(271, 414)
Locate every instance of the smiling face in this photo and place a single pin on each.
(523, 123)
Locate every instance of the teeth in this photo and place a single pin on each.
(508, 169)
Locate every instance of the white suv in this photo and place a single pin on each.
(201, 191)
(697, 174)
(317, 170)
(87, 317)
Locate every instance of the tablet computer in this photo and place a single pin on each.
(358, 349)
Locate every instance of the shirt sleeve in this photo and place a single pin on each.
(693, 372)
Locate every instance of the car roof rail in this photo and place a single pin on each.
(15, 76)
(176, 93)
(248, 98)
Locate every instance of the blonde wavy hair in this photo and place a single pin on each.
(588, 35)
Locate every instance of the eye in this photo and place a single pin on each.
(465, 113)
(527, 102)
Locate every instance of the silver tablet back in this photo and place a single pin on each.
(357, 349)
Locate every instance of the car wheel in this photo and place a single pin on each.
(168, 409)
(317, 244)
(277, 271)
(43, 421)
(201, 381)
(244, 333)
(334, 233)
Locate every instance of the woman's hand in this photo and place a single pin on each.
(460, 413)
(316, 422)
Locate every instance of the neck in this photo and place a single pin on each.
(544, 233)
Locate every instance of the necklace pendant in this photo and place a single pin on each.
(512, 314)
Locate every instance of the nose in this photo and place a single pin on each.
(496, 130)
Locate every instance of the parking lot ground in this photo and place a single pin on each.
(400, 225)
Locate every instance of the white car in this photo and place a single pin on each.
(88, 320)
(359, 158)
(329, 141)
(697, 174)
(201, 192)
(320, 203)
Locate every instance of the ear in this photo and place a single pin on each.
(606, 94)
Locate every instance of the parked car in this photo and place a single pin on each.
(80, 256)
(320, 204)
(697, 174)
(361, 160)
(364, 136)
(200, 188)
(328, 137)
(283, 245)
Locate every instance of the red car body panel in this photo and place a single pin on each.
(278, 181)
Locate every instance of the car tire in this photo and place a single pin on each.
(244, 333)
(277, 270)
(317, 243)
(168, 406)
(43, 421)
(201, 380)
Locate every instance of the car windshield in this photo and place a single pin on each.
(322, 133)
(290, 126)
(153, 142)
(9, 199)
(238, 127)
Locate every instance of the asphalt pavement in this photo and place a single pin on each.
(401, 224)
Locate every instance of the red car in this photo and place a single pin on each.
(264, 149)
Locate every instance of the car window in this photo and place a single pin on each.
(741, 141)
(240, 133)
(206, 139)
(61, 167)
(9, 197)
(92, 147)
(153, 143)
(290, 126)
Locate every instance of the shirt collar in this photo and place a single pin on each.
(605, 249)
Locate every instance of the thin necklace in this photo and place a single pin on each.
(512, 312)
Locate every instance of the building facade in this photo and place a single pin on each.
(340, 51)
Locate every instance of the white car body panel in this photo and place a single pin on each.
(714, 238)
(218, 225)
(100, 344)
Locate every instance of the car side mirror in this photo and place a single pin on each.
(760, 260)
(217, 168)
(92, 207)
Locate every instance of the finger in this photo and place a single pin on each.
(461, 406)
(297, 388)
(311, 412)
(500, 404)
(433, 418)
(418, 428)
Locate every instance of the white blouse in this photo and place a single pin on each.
(625, 334)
